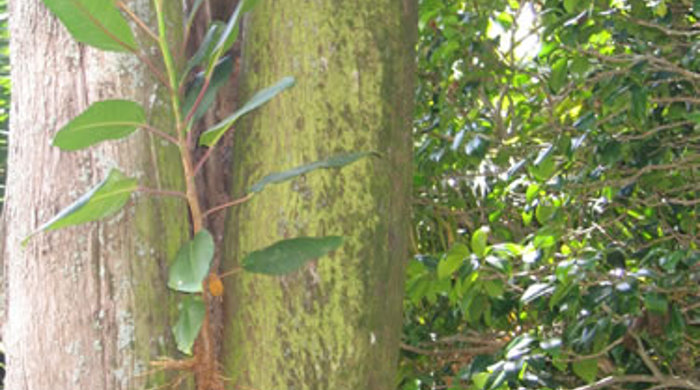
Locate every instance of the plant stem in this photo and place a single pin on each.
(169, 63)
(137, 20)
(188, 170)
(228, 204)
(204, 159)
(160, 133)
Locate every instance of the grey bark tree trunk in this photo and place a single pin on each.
(87, 306)
(336, 324)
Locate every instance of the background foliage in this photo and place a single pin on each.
(556, 230)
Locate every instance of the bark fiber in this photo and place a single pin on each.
(336, 324)
(88, 306)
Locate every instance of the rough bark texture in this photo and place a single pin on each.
(87, 306)
(336, 324)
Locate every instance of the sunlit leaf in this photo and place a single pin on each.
(102, 121)
(192, 263)
(287, 256)
(189, 322)
(557, 78)
(338, 161)
(212, 135)
(452, 260)
(96, 23)
(479, 241)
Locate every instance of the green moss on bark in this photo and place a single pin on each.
(334, 325)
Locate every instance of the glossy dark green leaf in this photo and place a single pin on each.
(189, 322)
(288, 256)
(228, 35)
(101, 201)
(219, 77)
(102, 121)
(586, 369)
(96, 23)
(338, 161)
(212, 135)
(535, 291)
(206, 47)
(552, 346)
(192, 263)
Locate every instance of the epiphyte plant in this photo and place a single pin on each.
(103, 24)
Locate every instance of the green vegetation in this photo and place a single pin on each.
(556, 190)
(556, 230)
(102, 25)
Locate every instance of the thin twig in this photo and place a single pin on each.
(664, 382)
(603, 352)
(666, 30)
(137, 20)
(160, 133)
(228, 204)
(154, 69)
(204, 159)
(231, 272)
(641, 351)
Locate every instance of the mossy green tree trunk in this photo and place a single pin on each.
(87, 306)
(336, 324)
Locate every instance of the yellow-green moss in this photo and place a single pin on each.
(334, 325)
(160, 226)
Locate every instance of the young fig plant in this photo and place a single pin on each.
(103, 24)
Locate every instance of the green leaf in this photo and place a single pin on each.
(221, 74)
(337, 161)
(452, 260)
(557, 79)
(101, 201)
(228, 35)
(102, 121)
(479, 239)
(639, 103)
(586, 369)
(192, 263)
(189, 322)
(288, 256)
(212, 136)
(96, 23)
(570, 5)
(206, 47)
(656, 303)
(494, 288)
(249, 5)
(535, 291)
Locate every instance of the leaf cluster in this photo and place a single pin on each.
(578, 154)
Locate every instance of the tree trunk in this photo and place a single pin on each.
(87, 306)
(336, 324)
